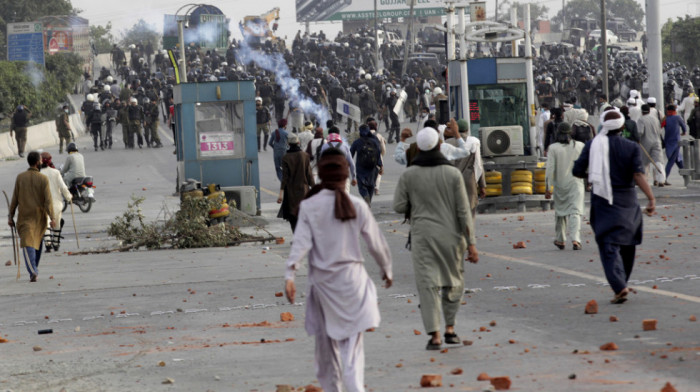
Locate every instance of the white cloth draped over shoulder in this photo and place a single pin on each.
(599, 168)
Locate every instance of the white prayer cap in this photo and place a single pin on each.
(427, 139)
(292, 138)
(634, 93)
(612, 120)
(651, 100)
(632, 101)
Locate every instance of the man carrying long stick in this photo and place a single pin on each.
(32, 196)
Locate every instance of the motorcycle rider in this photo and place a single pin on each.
(74, 167)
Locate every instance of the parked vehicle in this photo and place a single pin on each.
(82, 192)
(611, 37)
(620, 28)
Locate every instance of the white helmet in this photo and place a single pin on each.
(106, 88)
(368, 77)
(133, 100)
(548, 80)
(258, 99)
(437, 91)
(109, 79)
(90, 98)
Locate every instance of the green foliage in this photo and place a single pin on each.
(102, 37)
(186, 229)
(40, 89)
(679, 41)
(630, 10)
(141, 31)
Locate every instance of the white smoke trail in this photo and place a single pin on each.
(274, 62)
(34, 73)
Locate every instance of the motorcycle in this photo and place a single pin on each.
(83, 193)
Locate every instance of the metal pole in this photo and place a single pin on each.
(376, 37)
(653, 60)
(405, 44)
(514, 22)
(449, 11)
(463, 74)
(183, 58)
(528, 71)
(563, 15)
(604, 38)
(495, 18)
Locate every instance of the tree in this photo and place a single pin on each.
(537, 11)
(680, 40)
(140, 32)
(102, 37)
(629, 10)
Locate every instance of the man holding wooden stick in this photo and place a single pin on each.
(32, 196)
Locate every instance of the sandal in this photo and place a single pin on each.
(577, 245)
(559, 245)
(452, 338)
(433, 346)
(620, 297)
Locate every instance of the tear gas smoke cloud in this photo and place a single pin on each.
(274, 62)
(34, 73)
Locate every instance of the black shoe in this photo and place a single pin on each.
(95, 148)
(433, 346)
(21, 156)
(32, 278)
(452, 338)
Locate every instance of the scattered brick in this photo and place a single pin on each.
(693, 318)
(668, 388)
(431, 380)
(399, 365)
(492, 323)
(312, 388)
(609, 347)
(284, 388)
(456, 371)
(279, 294)
(483, 377)
(613, 319)
(591, 307)
(286, 316)
(501, 383)
(519, 245)
(444, 351)
(649, 325)
(8, 263)
(467, 342)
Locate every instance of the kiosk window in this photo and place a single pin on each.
(220, 130)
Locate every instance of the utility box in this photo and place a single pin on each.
(216, 135)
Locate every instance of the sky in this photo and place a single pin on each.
(124, 13)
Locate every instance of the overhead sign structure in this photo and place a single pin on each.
(25, 42)
(346, 109)
(325, 10)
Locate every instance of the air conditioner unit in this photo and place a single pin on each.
(499, 141)
(245, 198)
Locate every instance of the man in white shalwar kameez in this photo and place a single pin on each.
(342, 299)
(568, 190)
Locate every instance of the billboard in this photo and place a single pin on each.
(25, 42)
(326, 10)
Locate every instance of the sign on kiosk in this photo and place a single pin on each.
(216, 144)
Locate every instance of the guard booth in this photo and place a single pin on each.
(216, 139)
(501, 116)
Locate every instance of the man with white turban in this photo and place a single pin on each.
(614, 166)
(432, 193)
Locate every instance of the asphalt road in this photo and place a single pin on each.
(211, 315)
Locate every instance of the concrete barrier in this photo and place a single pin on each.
(39, 136)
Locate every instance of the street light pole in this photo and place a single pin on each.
(604, 38)
(183, 58)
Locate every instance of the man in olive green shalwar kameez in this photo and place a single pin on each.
(433, 192)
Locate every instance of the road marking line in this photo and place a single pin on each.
(269, 192)
(584, 275)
